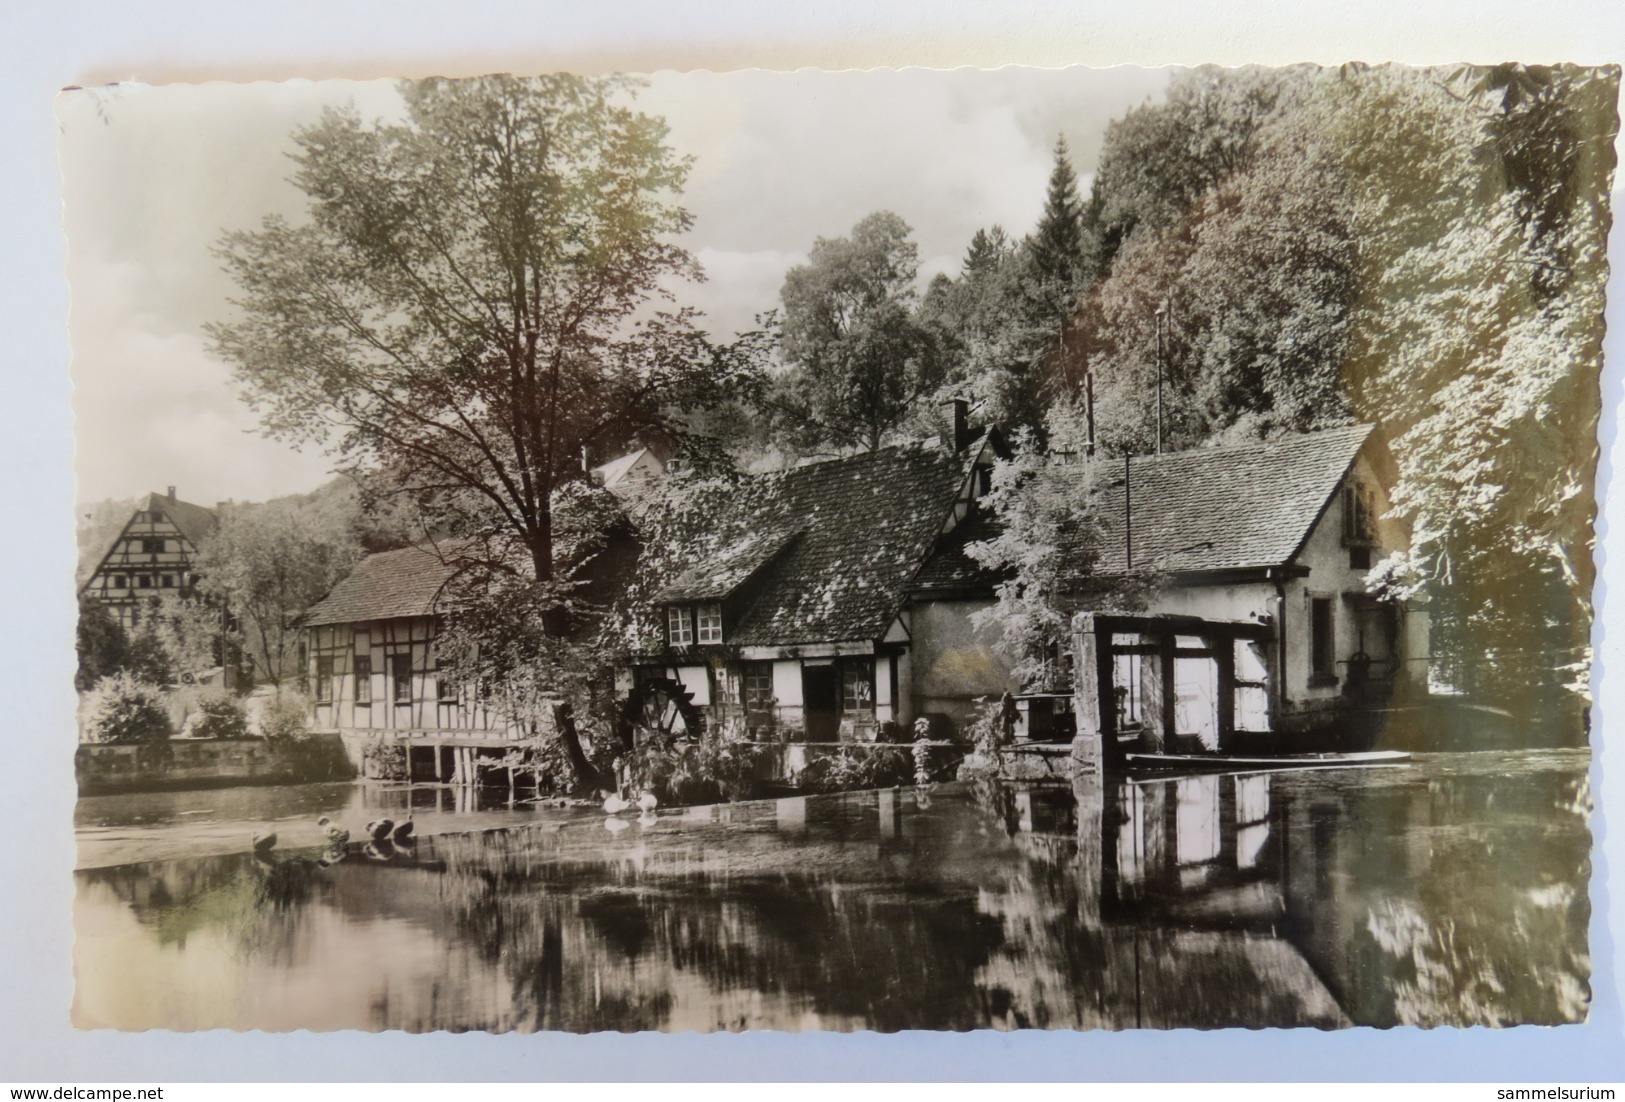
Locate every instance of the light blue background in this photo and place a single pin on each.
(43, 46)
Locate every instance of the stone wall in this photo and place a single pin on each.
(209, 763)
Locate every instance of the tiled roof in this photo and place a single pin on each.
(719, 574)
(1249, 505)
(385, 586)
(865, 524)
(194, 521)
(950, 569)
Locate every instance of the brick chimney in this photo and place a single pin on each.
(172, 493)
(959, 416)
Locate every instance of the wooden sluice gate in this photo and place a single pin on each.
(1168, 684)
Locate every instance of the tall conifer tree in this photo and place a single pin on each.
(1057, 243)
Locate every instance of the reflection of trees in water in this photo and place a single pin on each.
(256, 906)
(1496, 931)
(626, 945)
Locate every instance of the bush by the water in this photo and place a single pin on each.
(121, 709)
(720, 765)
(384, 759)
(285, 717)
(219, 714)
(873, 766)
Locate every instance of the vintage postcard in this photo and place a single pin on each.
(894, 550)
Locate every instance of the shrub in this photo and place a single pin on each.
(286, 716)
(851, 767)
(720, 765)
(986, 730)
(121, 709)
(384, 759)
(218, 715)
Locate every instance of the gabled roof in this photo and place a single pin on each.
(385, 586)
(1230, 508)
(861, 527)
(194, 521)
(611, 473)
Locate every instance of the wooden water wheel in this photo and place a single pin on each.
(660, 709)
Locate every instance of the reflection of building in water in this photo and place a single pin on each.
(1198, 841)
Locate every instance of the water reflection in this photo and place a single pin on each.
(1450, 893)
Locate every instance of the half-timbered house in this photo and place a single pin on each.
(791, 614)
(152, 560)
(370, 658)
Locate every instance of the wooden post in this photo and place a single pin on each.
(439, 763)
(1224, 658)
(1088, 695)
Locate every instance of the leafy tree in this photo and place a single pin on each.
(461, 307)
(103, 645)
(268, 564)
(861, 355)
(1477, 338)
(1159, 159)
(1254, 285)
(1047, 548)
(996, 334)
(476, 297)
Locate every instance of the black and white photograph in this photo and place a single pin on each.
(896, 549)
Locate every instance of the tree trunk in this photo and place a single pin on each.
(564, 719)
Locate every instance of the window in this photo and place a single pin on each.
(119, 581)
(710, 623)
(1321, 654)
(725, 685)
(857, 685)
(169, 581)
(151, 547)
(446, 685)
(145, 581)
(400, 668)
(324, 679)
(363, 679)
(1359, 516)
(156, 517)
(1359, 558)
(679, 626)
(759, 688)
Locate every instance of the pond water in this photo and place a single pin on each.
(1452, 891)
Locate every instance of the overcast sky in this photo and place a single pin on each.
(153, 175)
